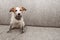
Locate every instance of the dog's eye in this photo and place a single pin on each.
(20, 10)
(15, 10)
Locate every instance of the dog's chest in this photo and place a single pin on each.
(17, 22)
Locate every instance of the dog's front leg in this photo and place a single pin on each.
(10, 28)
(22, 29)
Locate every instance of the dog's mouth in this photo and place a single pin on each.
(18, 17)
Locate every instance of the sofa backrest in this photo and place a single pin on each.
(39, 12)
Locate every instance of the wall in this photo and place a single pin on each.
(39, 12)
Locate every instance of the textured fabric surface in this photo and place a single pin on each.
(32, 33)
(39, 12)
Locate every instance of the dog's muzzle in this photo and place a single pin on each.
(18, 13)
(18, 17)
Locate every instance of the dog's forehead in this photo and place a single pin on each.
(18, 8)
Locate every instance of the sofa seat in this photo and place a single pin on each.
(32, 33)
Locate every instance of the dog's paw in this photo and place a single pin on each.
(8, 31)
(22, 32)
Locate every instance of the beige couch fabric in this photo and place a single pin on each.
(39, 12)
(32, 33)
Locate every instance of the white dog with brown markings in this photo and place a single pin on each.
(17, 18)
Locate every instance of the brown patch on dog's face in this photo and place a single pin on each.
(13, 10)
(17, 10)
(22, 9)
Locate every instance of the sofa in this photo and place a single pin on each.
(42, 20)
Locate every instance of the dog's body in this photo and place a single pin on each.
(17, 18)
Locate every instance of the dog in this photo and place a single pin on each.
(17, 18)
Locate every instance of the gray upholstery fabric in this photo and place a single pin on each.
(32, 33)
(39, 12)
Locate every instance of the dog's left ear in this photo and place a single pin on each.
(23, 9)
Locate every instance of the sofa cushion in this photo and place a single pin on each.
(32, 33)
(39, 12)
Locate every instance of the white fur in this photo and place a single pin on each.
(16, 22)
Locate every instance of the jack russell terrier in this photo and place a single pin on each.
(17, 18)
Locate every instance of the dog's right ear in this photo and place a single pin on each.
(12, 10)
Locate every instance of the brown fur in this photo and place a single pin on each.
(12, 10)
(23, 9)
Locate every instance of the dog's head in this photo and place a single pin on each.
(17, 11)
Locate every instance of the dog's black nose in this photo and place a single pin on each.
(18, 13)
